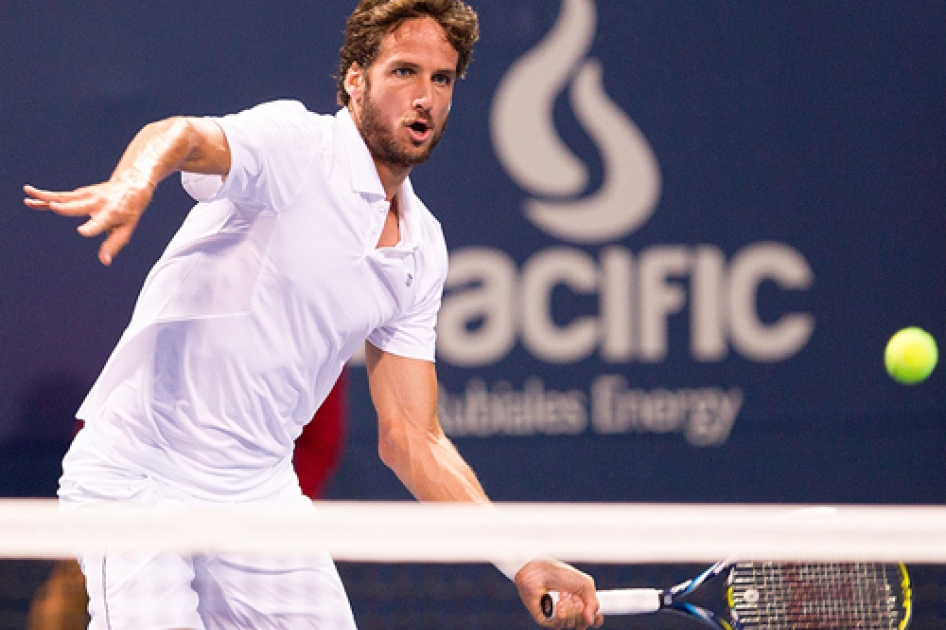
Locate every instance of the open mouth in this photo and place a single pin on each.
(420, 130)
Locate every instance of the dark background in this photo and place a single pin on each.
(817, 125)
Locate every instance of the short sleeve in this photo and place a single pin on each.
(271, 147)
(414, 334)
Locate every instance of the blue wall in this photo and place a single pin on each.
(763, 184)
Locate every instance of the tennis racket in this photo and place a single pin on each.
(777, 596)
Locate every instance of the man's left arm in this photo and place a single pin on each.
(412, 443)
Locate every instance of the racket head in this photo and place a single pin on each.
(835, 596)
(706, 617)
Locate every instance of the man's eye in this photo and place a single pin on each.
(402, 72)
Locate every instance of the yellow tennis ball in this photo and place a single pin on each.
(911, 355)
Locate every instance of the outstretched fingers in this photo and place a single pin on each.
(70, 203)
(113, 208)
(38, 199)
(116, 240)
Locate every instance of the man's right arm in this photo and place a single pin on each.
(196, 145)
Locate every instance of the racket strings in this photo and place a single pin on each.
(779, 596)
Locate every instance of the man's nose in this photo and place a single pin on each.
(423, 101)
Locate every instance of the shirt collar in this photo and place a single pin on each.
(365, 178)
(364, 175)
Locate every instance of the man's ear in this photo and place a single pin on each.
(355, 82)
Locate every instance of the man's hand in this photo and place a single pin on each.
(577, 606)
(113, 207)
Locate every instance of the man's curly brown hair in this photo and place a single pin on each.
(373, 19)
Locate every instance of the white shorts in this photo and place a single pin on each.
(160, 591)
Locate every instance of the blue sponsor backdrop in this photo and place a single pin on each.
(680, 234)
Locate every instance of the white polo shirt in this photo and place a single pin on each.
(246, 321)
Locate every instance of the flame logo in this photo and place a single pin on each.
(534, 155)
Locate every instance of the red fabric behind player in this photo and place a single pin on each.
(319, 448)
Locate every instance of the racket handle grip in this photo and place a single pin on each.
(623, 601)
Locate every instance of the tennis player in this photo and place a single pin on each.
(307, 241)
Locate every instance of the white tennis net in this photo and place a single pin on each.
(412, 532)
(407, 565)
